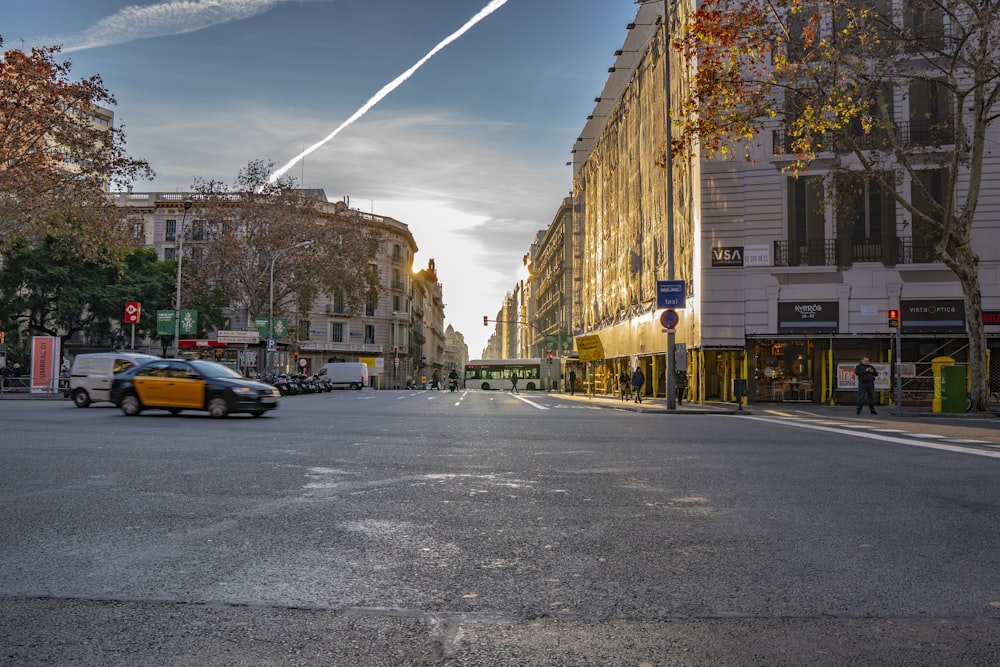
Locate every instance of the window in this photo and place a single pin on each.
(923, 23)
(338, 301)
(336, 332)
(927, 194)
(806, 221)
(170, 230)
(397, 302)
(931, 115)
(369, 334)
(866, 221)
(304, 329)
(397, 279)
(170, 253)
(371, 303)
(197, 230)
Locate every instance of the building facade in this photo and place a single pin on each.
(785, 288)
(399, 333)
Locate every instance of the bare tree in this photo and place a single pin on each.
(246, 226)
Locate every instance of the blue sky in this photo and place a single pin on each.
(470, 151)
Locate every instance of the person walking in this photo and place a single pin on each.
(513, 383)
(572, 382)
(638, 379)
(623, 384)
(866, 374)
(680, 385)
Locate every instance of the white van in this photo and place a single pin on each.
(91, 375)
(345, 374)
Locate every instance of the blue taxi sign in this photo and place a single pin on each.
(670, 294)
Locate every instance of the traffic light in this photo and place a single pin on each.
(551, 356)
(3, 338)
(893, 318)
(486, 320)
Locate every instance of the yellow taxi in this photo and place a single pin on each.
(191, 384)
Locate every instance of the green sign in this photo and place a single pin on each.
(165, 323)
(558, 342)
(278, 331)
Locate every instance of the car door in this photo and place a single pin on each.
(187, 386)
(152, 383)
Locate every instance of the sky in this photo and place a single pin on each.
(467, 148)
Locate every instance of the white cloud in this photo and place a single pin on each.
(173, 17)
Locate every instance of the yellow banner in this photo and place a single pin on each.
(590, 348)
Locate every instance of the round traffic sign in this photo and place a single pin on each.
(669, 319)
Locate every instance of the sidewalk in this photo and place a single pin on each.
(659, 405)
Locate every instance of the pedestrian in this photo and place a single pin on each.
(638, 379)
(680, 385)
(623, 383)
(513, 383)
(866, 374)
(572, 382)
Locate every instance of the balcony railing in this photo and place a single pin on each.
(809, 253)
(924, 133)
(824, 253)
(915, 251)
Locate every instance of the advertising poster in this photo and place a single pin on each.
(45, 361)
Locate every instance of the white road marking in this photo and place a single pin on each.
(878, 436)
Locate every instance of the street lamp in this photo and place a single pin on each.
(270, 309)
(180, 257)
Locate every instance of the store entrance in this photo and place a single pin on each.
(784, 370)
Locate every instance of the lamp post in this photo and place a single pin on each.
(270, 309)
(180, 258)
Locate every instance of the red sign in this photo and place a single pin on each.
(669, 319)
(132, 310)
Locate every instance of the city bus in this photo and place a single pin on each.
(489, 374)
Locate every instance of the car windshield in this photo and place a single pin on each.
(213, 370)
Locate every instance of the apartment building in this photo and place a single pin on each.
(785, 288)
(399, 333)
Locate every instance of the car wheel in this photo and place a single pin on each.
(174, 411)
(258, 413)
(131, 405)
(217, 406)
(486, 386)
(81, 398)
(354, 385)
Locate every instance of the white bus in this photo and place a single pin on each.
(489, 374)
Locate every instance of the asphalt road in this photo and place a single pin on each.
(436, 528)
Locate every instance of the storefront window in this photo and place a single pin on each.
(784, 370)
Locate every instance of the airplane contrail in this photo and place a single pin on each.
(392, 85)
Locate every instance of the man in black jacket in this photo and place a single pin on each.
(866, 374)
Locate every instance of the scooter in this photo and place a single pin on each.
(452, 384)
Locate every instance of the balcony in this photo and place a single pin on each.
(822, 252)
(922, 133)
(825, 253)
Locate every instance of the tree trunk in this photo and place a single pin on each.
(964, 262)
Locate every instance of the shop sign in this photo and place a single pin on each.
(727, 256)
(847, 380)
(590, 348)
(933, 315)
(808, 317)
(991, 317)
(757, 255)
